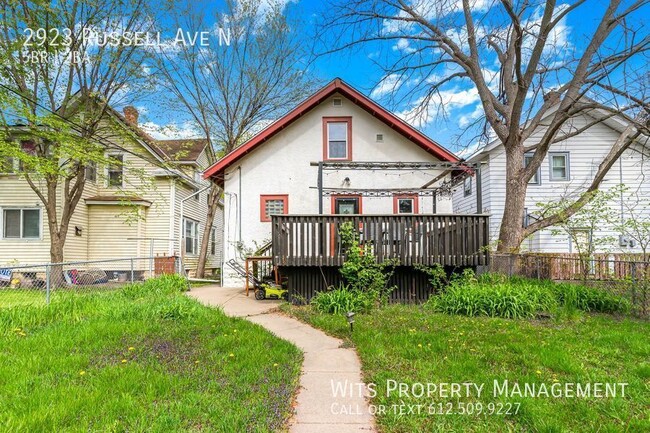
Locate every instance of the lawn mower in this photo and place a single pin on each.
(267, 289)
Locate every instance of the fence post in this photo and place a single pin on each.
(47, 284)
(131, 270)
(634, 282)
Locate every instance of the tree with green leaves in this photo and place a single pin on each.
(56, 84)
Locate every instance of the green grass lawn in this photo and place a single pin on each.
(411, 344)
(19, 297)
(143, 358)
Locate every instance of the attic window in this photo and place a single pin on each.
(337, 102)
(379, 138)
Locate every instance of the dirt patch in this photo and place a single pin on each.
(176, 354)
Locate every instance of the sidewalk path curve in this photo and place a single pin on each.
(332, 397)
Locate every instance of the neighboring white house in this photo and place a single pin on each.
(568, 169)
(104, 225)
(276, 171)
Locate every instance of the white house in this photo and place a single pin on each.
(568, 169)
(103, 225)
(277, 170)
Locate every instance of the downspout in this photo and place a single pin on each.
(180, 231)
(239, 201)
(620, 177)
(172, 217)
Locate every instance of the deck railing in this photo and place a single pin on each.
(314, 240)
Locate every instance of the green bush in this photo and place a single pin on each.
(516, 297)
(590, 298)
(494, 300)
(342, 300)
(360, 269)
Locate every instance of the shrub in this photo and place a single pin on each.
(517, 297)
(590, 298)
(494, 300)
(360, 268)
(342, 300)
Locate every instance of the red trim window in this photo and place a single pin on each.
(405, 204)
(337, 138)
(346, 204)
(273, 205)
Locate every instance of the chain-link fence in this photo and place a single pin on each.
(41, 283)
(624, 275)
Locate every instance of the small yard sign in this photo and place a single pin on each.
(5, 274)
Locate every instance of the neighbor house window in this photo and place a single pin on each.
(273, 205)
(535, 180)
(405, 204)
(21, 223)
(91, 171)
(8, 165)
(15, 165)
(213, 241)
(467, 186)
(191, 236)
(115, 170)
(559, 166)
(337, 138)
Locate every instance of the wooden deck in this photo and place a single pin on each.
(447, 239)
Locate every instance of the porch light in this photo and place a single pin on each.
(350, 318)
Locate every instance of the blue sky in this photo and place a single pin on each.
(358, 67)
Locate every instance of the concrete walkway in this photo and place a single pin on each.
(327, 368)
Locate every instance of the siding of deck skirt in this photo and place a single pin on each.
(411, 286)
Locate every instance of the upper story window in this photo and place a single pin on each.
(467, 186)
(536, 179)
(405, 204)
(337, 138)
(15, 165)
(91, 171)
(273, 205)
(115, 175)
(559, 162)
(21, 223)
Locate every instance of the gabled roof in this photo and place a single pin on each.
(340, 87)
(182, 150)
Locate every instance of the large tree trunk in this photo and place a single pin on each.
(511, 232)
(213, 202)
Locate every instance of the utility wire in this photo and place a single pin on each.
(80, 129)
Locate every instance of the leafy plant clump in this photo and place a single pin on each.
(342, 300)
(361, 270)
(515, 298)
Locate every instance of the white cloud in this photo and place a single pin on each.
(171, 130)
(466, 119)
(431, 10)
(424, 112)
(404, 46)
(388, 84)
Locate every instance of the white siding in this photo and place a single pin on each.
(113, 230)
(282, 166)
(586, 151)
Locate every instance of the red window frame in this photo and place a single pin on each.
(339, 119)
(266, 197)
(357, 196)
(396, 199)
